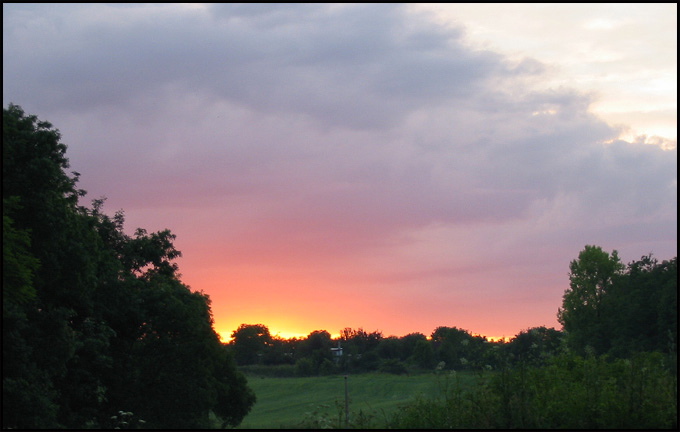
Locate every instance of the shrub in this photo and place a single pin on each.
(305, 367)
(393, 366)
(327, 367)
(570, 392)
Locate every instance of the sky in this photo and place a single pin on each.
(394, 167)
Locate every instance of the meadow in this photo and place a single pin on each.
(318, 402)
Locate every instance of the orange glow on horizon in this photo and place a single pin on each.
(291, 304)
(498, 338)
(225, 336)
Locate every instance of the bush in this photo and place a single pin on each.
(393, 366)
(305, 367)
(327, 367)
(369, 361)
(570, 392)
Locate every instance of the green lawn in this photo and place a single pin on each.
(285, 402)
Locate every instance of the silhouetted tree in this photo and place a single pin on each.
(591, 277)
(423, 354)
(96, 321)
(641, 308)
(408, 344)
(250, 342)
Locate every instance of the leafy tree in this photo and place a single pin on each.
(369, 361)
(642, 308)
(279, 351)
(250, 342)
(359, 341)
(317, 346)
(390, 348)
(19, 264)
(590, 279)
(423, 354)
(40, 314)
(534, 346)
(450, 344)
(94, 320)
(408, 344)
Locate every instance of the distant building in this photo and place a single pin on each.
(337, 353)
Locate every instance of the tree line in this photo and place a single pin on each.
(613, 365)
(358, 351)
(609, 308)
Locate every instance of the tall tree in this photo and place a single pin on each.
(40, 330)
(94, 320)
(581, 315)
(642, 307)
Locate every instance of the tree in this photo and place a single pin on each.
(40, 314)
(94, 320)
(451, 345)
(534, 346)
(316, 347)
(359, 341)
(581, 315)
(408, 344)
(390, 348)
(423, 354)
(642, 307)
(250, 342)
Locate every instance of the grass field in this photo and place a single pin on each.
(286, 402)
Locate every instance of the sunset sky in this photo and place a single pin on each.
(391, 167)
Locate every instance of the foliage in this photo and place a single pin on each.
(590, 279)
(642, 308)
(393, 366)
(423, 354)
(615, 366)
(97, 322)
(533, 346)
(619, 309)
(249, 342)
(306, 367)
(570, 392)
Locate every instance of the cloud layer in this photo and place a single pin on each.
(316, 150)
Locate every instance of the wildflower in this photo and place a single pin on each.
(440, 365)
(463, 361)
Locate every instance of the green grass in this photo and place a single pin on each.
(286, 402)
